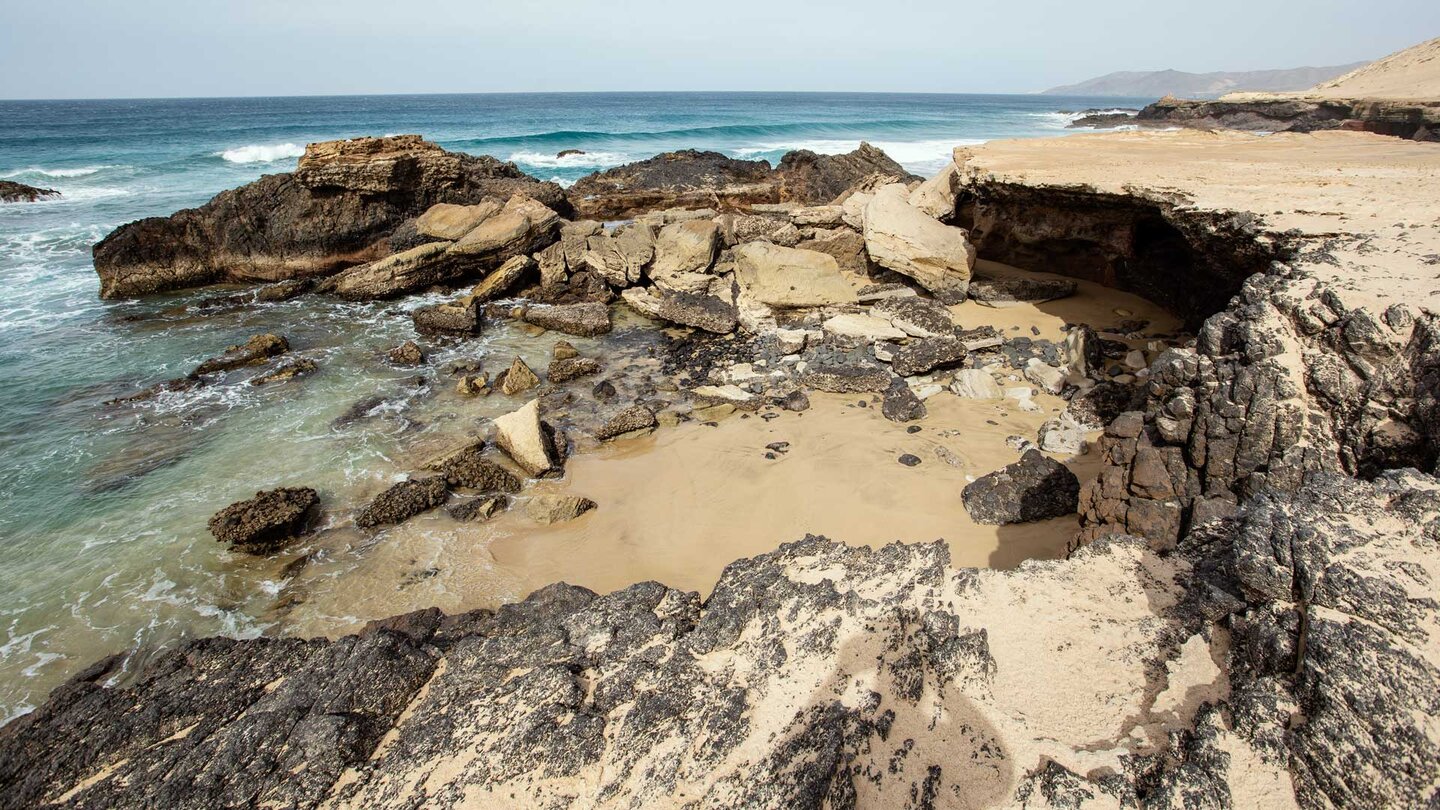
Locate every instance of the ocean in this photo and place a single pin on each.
(103, 543)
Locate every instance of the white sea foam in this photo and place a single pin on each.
(78, 171)
(262, 153)
(922, 157)
(587, 160)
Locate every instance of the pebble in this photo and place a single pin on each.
(909, 460)
(913, 429)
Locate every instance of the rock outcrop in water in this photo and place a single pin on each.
(11, 191)
(822, 675)
(340, 207)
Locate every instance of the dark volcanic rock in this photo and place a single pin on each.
(263, 524)
(565, 369)
(468, 468)
(11, 191)
(252, 352)
(901, 404)
(629, 420)
(338, 209)
(684, 179)
(1010, 290)
(920, 356)
(479, 510)
(814, 179)
(847, 378)
(284, 290)
(454, 318)
(403, 501)
(1034, 488)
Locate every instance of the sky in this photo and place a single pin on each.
(189, 48)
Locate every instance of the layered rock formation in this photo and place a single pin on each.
(340, 207)
(11, 191)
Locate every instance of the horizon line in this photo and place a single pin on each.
(558, 93)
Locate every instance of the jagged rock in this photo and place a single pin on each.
(684, 179)
(936, 197)
(916, 317)
(900, 403)
(407, 354)
(266, 522)
(906, 240)
(683, 252)
(473, 385)
(604, 391)
(975, 383)
(284, 290)
(845, 245)
(11, 192)
(787, 277)
(740, 228)
(563, 350)
(713, 310)
(550, 509)
(862, 326)
(818, 216)
(479, 510)
(921, 356)
(1062, 435)
(847, 378)
(403, 501)
(995, 292)
(584, 320)
(502, 280)
(565, 369)
(631, 419)
(338, 209)
(523, 437)
(415, 269)
(517, 379)
(286, 371)
(620, 258)
(1084, 352)
(455, 318)
(252, 352)
(1098, 406)
(467, 467)
(1048, 377)
(449, 222)
(1033, 488)
(813, 179)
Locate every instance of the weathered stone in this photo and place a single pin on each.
(787, 277)
(916, 317)
(900, 403)
(467, 467)
(449, 222)
(847, 378)
(862, 326)
(266, 522)
(620, 258)
(252, 352)
(1010, 290)
(563, 370)
(584, 320)
(455, 318)
(286, 371)
(502, 280)
(407, 354)
(921, 356)
(637, 417)
(402, 501)
(517, 379)
(1033, 488)
(908, 241)
(550, 509)
(479, 510)
(975, 383)
(522, 436)
(522, 227)
(683, 251)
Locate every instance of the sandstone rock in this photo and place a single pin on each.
(1033, 488)
(449, 222)
(683, 250)
(563, 350)
(398, 274)
(928, 354)
(479, 510)
(337, 210)
(518, 378)
(620, 258)
(583, 320)
(502, 280)
(11, 191)
(563, 370)
(1048, 377)
(266, 522)
(286, 371)
(818, 216)
(852, 210)
(847, 378)
(900, 403)
(522, 227)
(284, 290)
(403, 501)
(975, 383)
(787, 277)
(522, 436)
(252, 352)
(551, 509)
(908, 241)
(454, 318)
(467, 467)
(936, 197)
(637, 417)
(473, 385)
(847, 246)
(862, 326)
(727, 394)
(740, 228)
(407, 354)
(996, 292)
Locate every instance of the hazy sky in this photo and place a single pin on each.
(150, 48)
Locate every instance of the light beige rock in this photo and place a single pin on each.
(819, 216)
(684, 252)
(1045, 375)
(640, 300)
(549, 509)
(400, 273)
(904, 239)
(515, 228)
(852, 211)
(936, 197)
(520, 435)
(620, 258)
(519, 378)
(974, 383)
(788, 277)
(866, 327)
(450, 222)
(502, 279)
(730, 394)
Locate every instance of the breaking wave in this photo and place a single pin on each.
(262, 153)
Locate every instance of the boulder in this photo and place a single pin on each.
(620, 258)
(684, 179)
(563, 350)
(286, 371)
(517, 379)
(813, 179)
(1048, 377)
(503, 279)
(902, 238)
(1062, 435)
(338, 209)
(787, 277)
(900, 403)
(479, 510)
(631, 419)
(975, 383)
(473, 385)
(523, 226)
(449, 222)
(550, 509)
(862, 326)
(284, 290)
(403, 501)
(407, 354)
(818, 216)
(1097, 406)
(565, 369)
(1034, 488)
(936, 197)
(11, 191)
(395, 275)
(252, 352)
(452, 318)
(1010, 290)
(467, 467)
(682, 251)
(584, 320)
(525, 440)
(916, 317)
(847, 246)
(921, 356)
(740, 228)
(266, 522)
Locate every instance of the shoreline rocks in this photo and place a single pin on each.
(265, 523)
(1034, 488)
(13, 192)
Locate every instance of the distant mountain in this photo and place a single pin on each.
(1158, 83)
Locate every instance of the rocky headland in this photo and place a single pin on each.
(1245, 616)
(11, 191)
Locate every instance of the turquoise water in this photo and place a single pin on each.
(102, 510)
